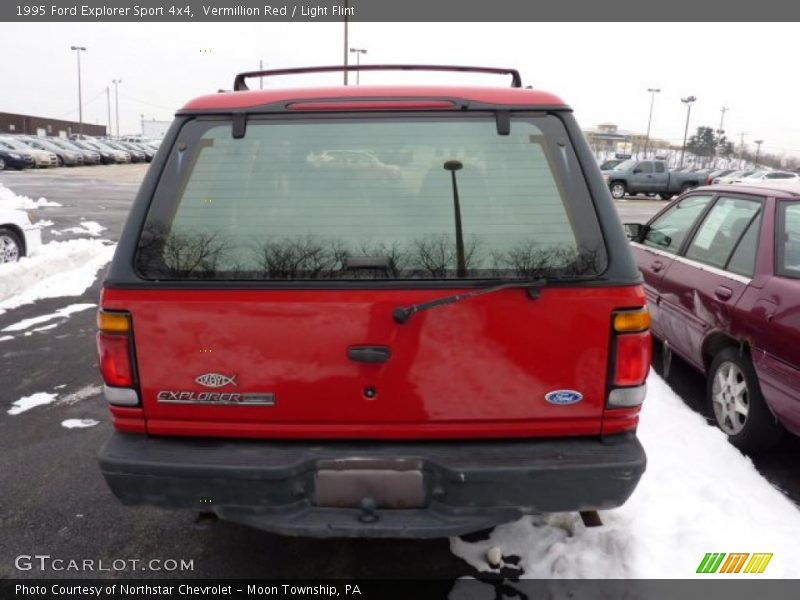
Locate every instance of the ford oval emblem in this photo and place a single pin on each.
(564, 397)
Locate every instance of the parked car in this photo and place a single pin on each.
(18, 236)
(90, 157)
(118, 156)
(735, 177)
(137, 154)
(69, 158)
(15, 160)
(107, 155)
(722, 276)
(714, 176)
(610, 164)
(40, 158)
(342, 361)
(2, 164)
(649, 176)
(772, 178)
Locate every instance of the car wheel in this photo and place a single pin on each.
(665, 196)
(10, 246)
(60, 162)
(737, 404)
(686, 187)
(618, 190)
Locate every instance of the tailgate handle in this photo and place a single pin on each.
(723, 293)
(369, 354)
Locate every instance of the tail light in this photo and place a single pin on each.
(632, 353)
(115, 350)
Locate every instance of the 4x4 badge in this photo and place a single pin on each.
(216, 380)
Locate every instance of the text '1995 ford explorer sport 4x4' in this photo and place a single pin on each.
(374, 311)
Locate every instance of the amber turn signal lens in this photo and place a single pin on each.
(632, 320)
(113, 322)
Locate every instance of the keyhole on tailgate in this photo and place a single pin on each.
(370, 393)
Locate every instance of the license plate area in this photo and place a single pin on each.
(389, 483)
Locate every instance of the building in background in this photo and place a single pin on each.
(608, 139)
(155, 130)
(42, 126)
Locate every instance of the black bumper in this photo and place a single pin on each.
(466, 485)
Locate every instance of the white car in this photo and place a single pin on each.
(776, 178)
(18, 236)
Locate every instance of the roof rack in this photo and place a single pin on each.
(239, 83)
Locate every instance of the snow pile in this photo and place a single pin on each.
(79, 423)
(61, 313)
(698, 495)
(57, 269)
(93, 228)
(9, 199)
(29, 402)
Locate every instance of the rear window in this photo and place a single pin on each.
(788, 239)
(377, 198)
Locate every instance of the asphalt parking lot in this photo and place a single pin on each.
(54, 500)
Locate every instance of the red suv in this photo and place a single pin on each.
(374, 311)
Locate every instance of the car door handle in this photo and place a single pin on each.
(656, 266)
(369, 354)
(723, 293)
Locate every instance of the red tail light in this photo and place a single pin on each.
(632, 362)
(115, 359)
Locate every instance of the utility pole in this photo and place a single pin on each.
(116, 83)
(346, 43)
(724, 109)
(108, 100)
(653, 92)
(78, 50)
(261, 79)
(688, 102)
(758, 150)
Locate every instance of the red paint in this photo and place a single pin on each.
(254, 98)
(479, 368)
(372, 105)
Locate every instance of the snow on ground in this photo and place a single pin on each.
(57, 269)
(9, 199)
(87, 391)
(698, 495)
(61, 313)
(29, 402)
(93, 228)
(79, 423)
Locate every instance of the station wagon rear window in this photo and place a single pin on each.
(414, 197)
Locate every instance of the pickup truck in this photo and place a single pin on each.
(649, 177)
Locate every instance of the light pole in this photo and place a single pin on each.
(653, 92)
(358, 52)
(721, 131)
(758, 149)
(346, 10)
(461, 263)
(116, 83)
(108, 100)
(78, 50)
(688, 102)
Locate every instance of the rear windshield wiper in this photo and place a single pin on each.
(402, 314)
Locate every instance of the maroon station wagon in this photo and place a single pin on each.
(721, 266)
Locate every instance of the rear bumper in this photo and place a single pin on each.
(467, 486)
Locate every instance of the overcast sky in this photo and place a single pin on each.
(602, 70)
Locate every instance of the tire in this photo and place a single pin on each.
(11, 246)
(737, 405)
(687, 186)
(666, 196)
(618, 190)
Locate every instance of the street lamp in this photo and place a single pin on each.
(653, 92)
(758, 149)
(358, 53)
(688, 102)
(461, 263)
(116, 82)
(78, 50)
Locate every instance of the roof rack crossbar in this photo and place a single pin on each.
(239, 83)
